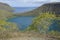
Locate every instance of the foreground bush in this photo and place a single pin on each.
(4, 25)
(42, 22)
(7, 26)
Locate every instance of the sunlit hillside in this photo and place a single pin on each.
(44, 17)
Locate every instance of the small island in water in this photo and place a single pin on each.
(42, 23)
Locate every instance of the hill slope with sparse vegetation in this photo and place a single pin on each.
(48, 7)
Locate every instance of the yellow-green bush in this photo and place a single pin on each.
(54, 33)
(4, 25)
(5, 14)
(7, 26)
(42, 22)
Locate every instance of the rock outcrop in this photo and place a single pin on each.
(48, 7)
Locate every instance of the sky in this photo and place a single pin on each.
(27, 3)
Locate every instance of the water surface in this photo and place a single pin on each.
(22, 22)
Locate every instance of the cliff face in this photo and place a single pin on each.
(48, 7)
(51, 8)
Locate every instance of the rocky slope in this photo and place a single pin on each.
(48, 7)
(5, 11)
(4, 6)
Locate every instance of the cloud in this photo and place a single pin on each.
(54, 1)
(22, 3)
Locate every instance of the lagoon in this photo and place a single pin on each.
(22, 22)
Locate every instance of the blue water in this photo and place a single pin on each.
(23, 9)
(55, 25)
(22, 22)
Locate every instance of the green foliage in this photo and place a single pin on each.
(5, 14)
(54, 33)
(7, 26)
(4, 25)
(42, 22)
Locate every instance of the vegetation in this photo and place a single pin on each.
(42, 22)
(5, 14)
(7, 28)
(6, 7)
(4, 25)
(54, 33)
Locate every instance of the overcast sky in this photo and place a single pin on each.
(27, 3)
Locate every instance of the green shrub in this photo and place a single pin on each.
(4, 25)
(42, 22)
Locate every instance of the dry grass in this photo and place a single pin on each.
(23, 36)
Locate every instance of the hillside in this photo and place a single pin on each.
(4, 6)
(5, 11)
(5, 14)
(48, 7)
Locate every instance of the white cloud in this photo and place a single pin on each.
(54, 0)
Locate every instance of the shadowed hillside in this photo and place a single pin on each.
(48, 7)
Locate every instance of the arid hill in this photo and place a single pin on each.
(48, 7)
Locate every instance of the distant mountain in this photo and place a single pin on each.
(48, 7)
